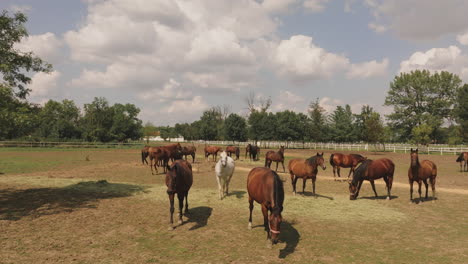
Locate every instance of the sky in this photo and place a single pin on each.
(176, 58)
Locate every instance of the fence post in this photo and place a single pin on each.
(394, 150)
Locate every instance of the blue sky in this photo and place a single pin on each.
(176, 58)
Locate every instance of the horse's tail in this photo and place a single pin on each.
(460, 158)
(266, 161)
(331, 160)
(278, 193)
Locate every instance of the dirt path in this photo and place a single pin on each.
(395, 184)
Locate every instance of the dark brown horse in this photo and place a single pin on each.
(277, 157)
(421, 172)
(338, 160)
(160, 156)
(463, 158)
(233, 150)
(305, 169)
(144, 155)
(253, 151)
(189, 150)
(175, 151)
(179, 179)
(212, 150)
(266, 188)
(371, 170)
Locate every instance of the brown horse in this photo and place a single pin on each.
(266, 188)
(189, 150)
(371, 170)
(160, 156)
(179, 179)
(305, 169)
(277, 157)
(175, 151)
(338, 160)
(254, 152)
(463, 158)
(212, 150)
(144, 155)
(420, 172)
(233, 150)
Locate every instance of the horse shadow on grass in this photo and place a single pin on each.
(199, 216)
(290, 236)
(384, 197)
(423, 200)
(317, 195)
(37, 202)
(238, 194)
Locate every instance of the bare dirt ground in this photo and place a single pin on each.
(58, 208)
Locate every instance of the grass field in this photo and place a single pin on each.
(55, 206)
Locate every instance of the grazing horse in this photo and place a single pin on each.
(175, 151)
(160, 157)
(371, 170)
(144, 155)
(254, 152)
(277, 157)
(190, 150)
(224, 170)
(179, 179)
(338, 160)
(212, 150)
(463, 158)
(305, 169)
(233, 150)
(420, 172)
(266, 188)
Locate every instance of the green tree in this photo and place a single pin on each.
(14, 63)
(211, 124)
(461, 112)
(235, 128)
(290, 126)
(97, 120)
(318, 122)
(167, 132)
(59, 120)
(149, 130)
(420, 97)
(421, 134)
(341, 125)
(125, 123)
(262, 125)
(374, 128)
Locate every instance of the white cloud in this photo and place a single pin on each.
(315, 6)
(287, 100)
(368, 69)
(299, 59)
(47, 46)
(195, 105)
(329, 104)
(171, 90)
(463, 38)
(377, 27)
(277, 6)
(44, 84)
(20, 8)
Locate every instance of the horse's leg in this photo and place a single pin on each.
(293, 182)
(284, 170)
(220, 190)
(180, 196)
(350, 171)
(171, 210)
(251, 206)
(358, 188)
(186, 202)
(276, 167)
(373, 187)
(338, 172)
(303, 184)
(427, 189)
(265, 220)
(432, 180)
(419, 190)
(334, 173)
(193, 158)
(411, 190)
(313, 185)
(151, 166)
(388, 184)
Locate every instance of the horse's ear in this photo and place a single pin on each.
(322, 154)
(416, 150)
(411, 149)
(318, 154)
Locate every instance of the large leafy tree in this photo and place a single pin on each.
(235, 128)
(262, 125)
(59, 120)
(14, 63)
(97, 120)
(318, 122)
(125, 123)
(461, 112)
(341, 125)
(211, 124)
(290, 126)
(420, 97)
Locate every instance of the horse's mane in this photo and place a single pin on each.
(312, 160)
(359, 172)
(460, 157)
(357, 156)
(278, 194)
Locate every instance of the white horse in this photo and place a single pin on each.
(224, 170)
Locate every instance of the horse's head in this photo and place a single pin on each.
(223, 158)
(414, 157)
(352, 190)
(321, 161)
(274, 224)
(171, 176)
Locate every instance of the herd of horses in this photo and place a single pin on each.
(265, 187)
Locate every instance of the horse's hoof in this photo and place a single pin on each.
(170, 228)
(179, 222)
(249, 226)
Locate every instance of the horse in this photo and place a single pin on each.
(190, 150)
(224, 170)
(305, 169)
(338, 160)
(160, 156)
(179, 179)
(175, 151)
(266, 188)
(420, 172)
(233, 150)
(212, 150)
(371, 170)
(271, 156)
(254, 152)
(144, 154)
(463, 158)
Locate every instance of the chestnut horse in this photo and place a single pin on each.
(189, 150)
(160, 157)
(266, 188)
(179, 179)
(175, 151)
(420, 172)
(338, 160)
(305, 169)
(144, 154)
(233, 150)
(371, 170)
(254, 152)
(212, 150)
(463, 158)
(277, 157)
